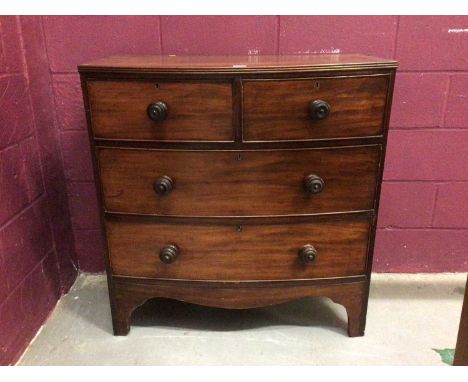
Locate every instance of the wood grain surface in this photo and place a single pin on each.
(131, 293)
(239, 64)
(242, 183)
(279, 110)
(197, 111)
(461, 351)
(238, 252)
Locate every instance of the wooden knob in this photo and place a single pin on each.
(319, 110)
(307, 254)
(313, 184)
(157, 111)
(169, 253)
(164, 185)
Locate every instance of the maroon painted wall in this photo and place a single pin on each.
(37, 257)
(48, 219)
(424, 209)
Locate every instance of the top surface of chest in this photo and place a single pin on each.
(236, 64)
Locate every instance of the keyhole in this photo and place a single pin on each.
(317, 85)
(156, 86)
(239, 157)
(239, 228)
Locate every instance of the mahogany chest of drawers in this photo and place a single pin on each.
(238, 182)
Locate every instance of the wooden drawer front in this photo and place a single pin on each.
(231, 252)
(195, 111)
(279, 110)
(239, 183)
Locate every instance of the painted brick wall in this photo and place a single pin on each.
(37, 256)
(424, 208)
(44, 155)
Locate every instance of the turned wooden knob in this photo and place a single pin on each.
(169, 253)
(319, 110)
(307, 254)
(313, 184)
(164, 185)
(157, 111)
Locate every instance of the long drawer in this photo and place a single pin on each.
(140, 247)
(239, 183)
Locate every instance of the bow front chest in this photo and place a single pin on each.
(238, 182)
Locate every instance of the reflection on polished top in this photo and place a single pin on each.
(228, 63)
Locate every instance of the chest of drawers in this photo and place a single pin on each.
(238, 182)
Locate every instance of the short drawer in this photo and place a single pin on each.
(321, 108)
(239, 183)
(161, 111)
(142, 248)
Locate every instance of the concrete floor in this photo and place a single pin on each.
(408, 316)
